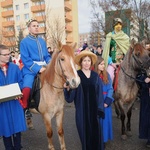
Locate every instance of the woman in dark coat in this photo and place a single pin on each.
(144, 121)
(88, 99)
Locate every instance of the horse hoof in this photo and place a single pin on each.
(124, 137)
(129, 133)
(31, 128)
(51, 148)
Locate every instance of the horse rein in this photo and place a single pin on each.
(130, 76)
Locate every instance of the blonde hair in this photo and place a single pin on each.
(104, 72)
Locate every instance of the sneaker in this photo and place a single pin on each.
(148, 144)
(28, 114)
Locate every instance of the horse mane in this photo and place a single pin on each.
(48, 74)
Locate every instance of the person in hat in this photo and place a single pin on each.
(89, 103)
(99, 67)
(35, 57)
(12, 121)
(116, 46)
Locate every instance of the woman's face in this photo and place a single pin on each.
(86, 63)
(118, 27)
(101, 66)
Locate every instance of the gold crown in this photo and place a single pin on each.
(29, 22)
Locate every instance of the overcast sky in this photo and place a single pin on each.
(84, 16)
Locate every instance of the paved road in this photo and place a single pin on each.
(36, 139)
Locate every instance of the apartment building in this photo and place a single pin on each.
(57, 19)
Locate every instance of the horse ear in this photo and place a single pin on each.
(133, 42)
(143, 42)
(59, 45)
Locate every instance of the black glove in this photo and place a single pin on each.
(100, 114)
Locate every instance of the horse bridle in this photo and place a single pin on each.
(138, 62)
(63, 75)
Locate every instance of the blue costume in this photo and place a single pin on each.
(88, 100)
(107, 121)
(34, 55)
(11, 112)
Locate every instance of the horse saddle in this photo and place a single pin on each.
(34, 98)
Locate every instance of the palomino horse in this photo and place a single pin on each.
(137, 59)
(60, 70)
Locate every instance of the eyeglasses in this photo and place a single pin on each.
(5, 54)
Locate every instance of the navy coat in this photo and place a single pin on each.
(144, 120)
(88, 100)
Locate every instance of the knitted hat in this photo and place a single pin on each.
(84, 54)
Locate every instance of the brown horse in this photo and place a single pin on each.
(60, 70)
(137, 59)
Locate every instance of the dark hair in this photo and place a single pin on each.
(3, 47)
(99, 46)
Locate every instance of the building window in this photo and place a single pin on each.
(40, 2)
(9, 8)
(18, 28)
(17, 17)
(10, 29)
(26, 16)
(42, 13)
(42, 24)
(26, 5)
(17, 7)
(9, 19)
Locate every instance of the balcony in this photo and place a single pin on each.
(68, 17)
(8, 33)
(9, 43)
(41, 18)
(68, 28)
(69, 39)
(6, 3)
(8, 23)
(7, 13)
(42, 30)
(68, 6)
(37, 8)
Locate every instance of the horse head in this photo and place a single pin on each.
(140, 56)
(62, 67)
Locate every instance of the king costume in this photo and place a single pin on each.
(89, 104)
(34, 55)
(12, 118)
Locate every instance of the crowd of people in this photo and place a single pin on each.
(93, 97)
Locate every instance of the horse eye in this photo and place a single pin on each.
(62, 59)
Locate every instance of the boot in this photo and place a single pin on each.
(26, 95)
